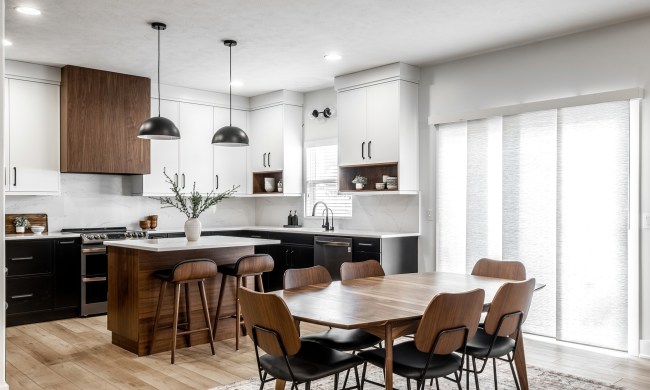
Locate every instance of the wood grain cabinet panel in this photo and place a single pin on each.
(100, 116)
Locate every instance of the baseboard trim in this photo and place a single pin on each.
(4, 386)
(644, 349)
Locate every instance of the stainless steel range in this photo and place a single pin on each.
(94, 264)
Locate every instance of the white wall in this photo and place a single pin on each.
(597, 61)
(104, 201)
(3, 383)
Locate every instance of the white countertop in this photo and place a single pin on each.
(302, 230)
(181, 243)
(32, 236)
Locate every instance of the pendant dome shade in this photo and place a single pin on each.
(158, 127)
(230, 135)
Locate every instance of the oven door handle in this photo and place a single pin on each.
(97, 279)
(94, 250)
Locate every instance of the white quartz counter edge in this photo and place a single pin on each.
(181, 243)
(32, 236)
(303, 230)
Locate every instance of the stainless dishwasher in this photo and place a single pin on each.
(331, 252)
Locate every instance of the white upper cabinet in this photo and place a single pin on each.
(378, 125)
(196, 147)
(164, 153)
(32, 133)
(230, 163)
(267, 133)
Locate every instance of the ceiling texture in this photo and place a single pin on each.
(282, 42)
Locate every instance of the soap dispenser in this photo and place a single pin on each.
(295, 218)
(290, 219)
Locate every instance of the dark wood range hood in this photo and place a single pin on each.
(100, 116)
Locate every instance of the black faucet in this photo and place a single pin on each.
(326, 222)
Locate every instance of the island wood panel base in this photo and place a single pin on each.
(133, 297)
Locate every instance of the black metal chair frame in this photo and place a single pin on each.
(294, 382)
(510, 356)
(420, 383)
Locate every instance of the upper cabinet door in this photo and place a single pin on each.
(352, 127)
(33, 137)
(267, 139)
(230, 163)
(164, 153)
(382, 123)
(5, 172)
(196, 147)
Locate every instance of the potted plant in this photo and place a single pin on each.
(360, 181)
(21, 223)
(192, 205)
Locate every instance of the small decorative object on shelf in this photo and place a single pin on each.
(153, 221)
(192, 205)
(360, 181)
(280, 185)
(21, 223)
(145, 224)
(269, 184)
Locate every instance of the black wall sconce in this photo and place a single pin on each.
(326, 113)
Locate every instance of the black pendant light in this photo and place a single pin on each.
(230, 135)
(158, 127)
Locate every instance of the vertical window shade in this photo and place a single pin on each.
(550, 189)
(322, 181)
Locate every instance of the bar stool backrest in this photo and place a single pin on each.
(194, 269)
(254, 264)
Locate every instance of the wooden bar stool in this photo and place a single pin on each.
(186, 271)
(251, 265)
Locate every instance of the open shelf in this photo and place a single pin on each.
(373, 172)
(258, 182)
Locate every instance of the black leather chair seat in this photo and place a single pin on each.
(312, 362)
(480, 344)
(344, 339)
(409, 362)
(164, 274)
(227, 269)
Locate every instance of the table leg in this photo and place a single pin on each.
(388, 361)
(520, 362)
(279, 384)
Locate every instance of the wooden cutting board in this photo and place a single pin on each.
(34, 219)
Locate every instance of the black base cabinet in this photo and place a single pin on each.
(43, 280)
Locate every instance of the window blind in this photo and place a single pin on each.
(322, 181)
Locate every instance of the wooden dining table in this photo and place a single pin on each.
(387, 306)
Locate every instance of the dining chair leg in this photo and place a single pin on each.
(467, 378)
(437, 384)
(237, 313)
(356, 376)
(222, 289)
(363, 374)
(514, 375)
(408, 384)
(307, 386)
(206, 313)
(177, 298)
(494, 369)
(475, 373)
(459, 378)
(336, 381)
(188, 337)
(163, 286)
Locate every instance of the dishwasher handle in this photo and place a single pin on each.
(332, 243)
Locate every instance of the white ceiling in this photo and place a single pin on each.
(282, 42)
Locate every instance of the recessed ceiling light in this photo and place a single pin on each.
(28, 10)
(236, 83)
(7, 42)
(333, 57)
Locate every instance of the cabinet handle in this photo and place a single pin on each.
(363, 244)
(369, 156)
(96, 279)
(22, 296)
(363, 144)
(22, 258)
(268, 159)
(183, 175)
(66, 242)
(264, 160)
(286, 257)
(176, 178)
(254, 236)
(217, 176)
(15, 176)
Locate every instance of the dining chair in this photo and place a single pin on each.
(499, 336)
(361, 269)
(271, 326)
(448, 322)
(502, 269)
(299, 277)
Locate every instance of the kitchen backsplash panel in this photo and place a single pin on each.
(386, 213)
(104, 200)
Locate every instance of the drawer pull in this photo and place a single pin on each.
(66, 242)
(364, 244)
(22, 258)
(97, 279)
(254, 236)
(22, 296)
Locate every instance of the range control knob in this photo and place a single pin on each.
(128, 234)
(103, 236)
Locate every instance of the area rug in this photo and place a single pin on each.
(538, 379)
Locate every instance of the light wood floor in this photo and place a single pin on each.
(77, 354)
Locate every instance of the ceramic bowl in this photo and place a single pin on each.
(392, 186)
(37, 229)
(379, 186)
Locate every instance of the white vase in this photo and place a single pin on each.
(20, 229)
(192, 229)
(359, 186)
(269, 184)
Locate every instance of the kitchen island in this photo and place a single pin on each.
(133, 291)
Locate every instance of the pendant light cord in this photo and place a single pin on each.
(230, 84)
(158, 72)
